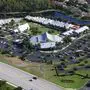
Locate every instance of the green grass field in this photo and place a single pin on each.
(78, 81)
(41, 29)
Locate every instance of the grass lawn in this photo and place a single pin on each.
(41, 28)
(78, 82)
(6, 87)
(45, 71)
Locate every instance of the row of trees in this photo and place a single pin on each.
(23, 5)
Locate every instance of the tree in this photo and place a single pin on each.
(26, 44)
(49, 62)
(85, 62)
(12, 23)
(18, 88)
(75, 69)
(23, 5)
(67, 39)
(22, 58)
(2, 83)
(56, 71)
(35, 30)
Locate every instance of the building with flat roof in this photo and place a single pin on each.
(82, 29)
(47, 45)
(22, 28)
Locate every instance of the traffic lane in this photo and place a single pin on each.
(17, 82)
(16, 78)
(21, 78)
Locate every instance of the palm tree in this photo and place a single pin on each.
(56, 71)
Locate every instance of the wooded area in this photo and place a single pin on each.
(23, 5)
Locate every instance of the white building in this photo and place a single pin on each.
(47, 45)
(82, 29)
(67, 33)
(78, 31)
(22, 28)
(4, 21)
(45, 37)
(46, 21)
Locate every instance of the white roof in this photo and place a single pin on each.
(16, 30)
(4, 21)
(82, 29)
(68, 32)
(17, 40)
(49, 21)
(68, 26)
(54, 38)
(23, 27)
(47, 45)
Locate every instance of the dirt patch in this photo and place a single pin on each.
(31, 67)
(15, 61)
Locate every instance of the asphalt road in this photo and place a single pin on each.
(21, 78)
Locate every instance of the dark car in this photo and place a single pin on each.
(30, 80)
(35, 78)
